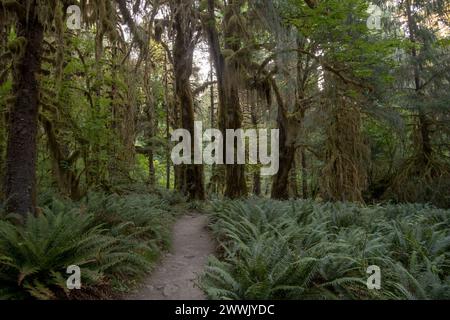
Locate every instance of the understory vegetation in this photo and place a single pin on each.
(114, 240)
(301, 249)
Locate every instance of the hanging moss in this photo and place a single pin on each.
(59, 26)
(344, 176)
(17, 46)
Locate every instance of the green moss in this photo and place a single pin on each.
(17, 46)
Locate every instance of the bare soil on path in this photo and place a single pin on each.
(174, 278)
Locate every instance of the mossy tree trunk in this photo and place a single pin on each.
(255, 120)
(227, 71)
(3, 76)
(344, 176)
(287, 129)
(64, 174)
(183, 50)
(20, 178)
(304, 174)
(151, 119)
(425, 149)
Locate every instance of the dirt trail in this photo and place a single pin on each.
(174, 277)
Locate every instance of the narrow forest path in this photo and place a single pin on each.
(174, 277)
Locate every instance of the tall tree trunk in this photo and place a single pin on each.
(284, 181)
(302, 75)
(213, 181)
(20, 179)
(287, 150)
(235, 174)
(192, 180)
(128, 129)
(115, 121)
(292, 180)
(424, 123)
(166, 104)
(228, 87)
(151, 119)
(304, 173)
(3, 106)
(253, 102)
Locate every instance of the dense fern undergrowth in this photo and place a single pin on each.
(307, 250)
(114, 239)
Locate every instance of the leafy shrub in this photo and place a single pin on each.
(34, 258)
(172, 197)
(110, 238)
(306, 250)
(145, 217)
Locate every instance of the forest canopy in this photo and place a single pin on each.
(91, 91)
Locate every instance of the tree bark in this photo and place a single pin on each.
(183, 50)
(255, 119)
(292, 180)
(3, 77)
(304, 174)
(166, 103)
(228, 88)
(20, 179)
(213, 185)
(152, 123)
(424, 123)
(287, 150)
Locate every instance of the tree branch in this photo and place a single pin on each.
(203, 87)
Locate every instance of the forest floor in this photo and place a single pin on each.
(174, 278)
